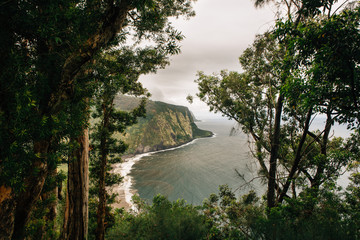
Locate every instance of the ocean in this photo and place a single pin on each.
(195, 170)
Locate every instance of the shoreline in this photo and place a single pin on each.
(124, 189)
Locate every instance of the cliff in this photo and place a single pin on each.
(165, 126)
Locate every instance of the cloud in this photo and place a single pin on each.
(215, 38)
(156, 93)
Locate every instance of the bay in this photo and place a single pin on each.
(196, 170)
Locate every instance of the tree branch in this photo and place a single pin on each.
(298, 156)
(113, 23)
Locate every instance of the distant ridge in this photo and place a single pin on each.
(165, 126)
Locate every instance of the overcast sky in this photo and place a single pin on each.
(214, 39)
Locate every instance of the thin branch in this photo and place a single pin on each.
(298, 156)
(6, 2)
(247, 183)
(339, 7)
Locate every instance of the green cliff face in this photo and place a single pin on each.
(165, 126)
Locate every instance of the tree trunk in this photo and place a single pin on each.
(298, 156)
(275, 141)
(7, 209)
(76, 210)
(315, 184)
(275, 138)
(34, 183)
(101, 211)
(50, 216)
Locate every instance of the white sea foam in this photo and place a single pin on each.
(125, 167)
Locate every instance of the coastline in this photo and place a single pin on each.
(124, 189)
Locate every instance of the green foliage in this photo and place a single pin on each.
(200, 133)
(162, 220)
(117, 72)
(229, 218)
(39, 227)
(321, 215)
(308, 65)
(327, 57)
(38, 39)
(109, 216)
(247, 97)
(316, 214)
(48, 74)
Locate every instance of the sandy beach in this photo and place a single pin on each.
(120, 199)
(124, 188)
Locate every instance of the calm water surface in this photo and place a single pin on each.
(196, 170)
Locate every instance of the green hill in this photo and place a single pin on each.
(165, 126)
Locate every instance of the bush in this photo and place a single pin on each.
(161, 220)
(321, 214)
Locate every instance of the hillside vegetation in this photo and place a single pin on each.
(165, 126)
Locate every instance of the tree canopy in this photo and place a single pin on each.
(306, 66)
(47, 52)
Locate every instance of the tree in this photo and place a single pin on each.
(279, 94)
(253, 100)
(165, 40)
(46, 50)
(326, 53)
(161, 220)
(118, 72)
(105, 149)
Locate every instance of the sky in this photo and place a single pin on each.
(214, 40)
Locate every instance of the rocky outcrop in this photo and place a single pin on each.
(165, 126)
